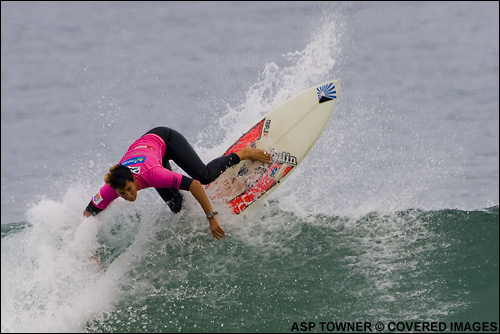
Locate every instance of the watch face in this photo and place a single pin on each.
(211, 214)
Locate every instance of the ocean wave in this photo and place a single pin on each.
(164, 272)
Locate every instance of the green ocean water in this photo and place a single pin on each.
(280, 270)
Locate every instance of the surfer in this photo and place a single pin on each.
(146, 164)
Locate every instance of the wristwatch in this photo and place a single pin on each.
(211, 214)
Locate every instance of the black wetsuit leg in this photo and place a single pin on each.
(182, 153)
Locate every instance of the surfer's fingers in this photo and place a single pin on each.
(219, 233)
(264, 156)
(217, 236)
(268, 155)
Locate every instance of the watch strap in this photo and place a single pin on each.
(211, 214)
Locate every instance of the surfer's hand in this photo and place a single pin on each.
(255, 154)
(87, 214)
(217, 231)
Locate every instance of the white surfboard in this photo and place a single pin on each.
(288, 133)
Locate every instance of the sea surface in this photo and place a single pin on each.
(391, 221)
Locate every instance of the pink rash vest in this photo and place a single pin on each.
(144, 159)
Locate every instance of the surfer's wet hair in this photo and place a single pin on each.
(118, 176)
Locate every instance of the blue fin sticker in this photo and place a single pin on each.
(326, 93)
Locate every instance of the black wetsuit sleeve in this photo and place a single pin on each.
(93, 209)
(185, 183)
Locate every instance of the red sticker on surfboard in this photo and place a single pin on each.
(268, 180)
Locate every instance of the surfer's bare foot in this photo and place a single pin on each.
(250, 153)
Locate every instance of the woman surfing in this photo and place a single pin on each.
(146, 164)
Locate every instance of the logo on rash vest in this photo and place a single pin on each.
(135, 170)
(133, 161)
(97, 198)
(144, 146)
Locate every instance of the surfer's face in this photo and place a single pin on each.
(129, 192)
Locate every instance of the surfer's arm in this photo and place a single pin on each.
(164, 178)
(199, 193)
(100, 201)
(91, 210)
